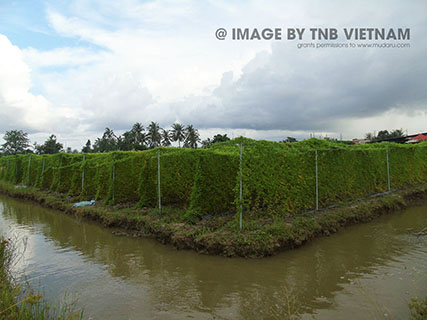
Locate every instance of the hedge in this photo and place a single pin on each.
(123, 185)
(177, 172)
(278, 182)
(278, 178)
(214, 184)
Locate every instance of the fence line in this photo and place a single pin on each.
(317, 171)
(114, 176)
(59, 172)
(158, 181)
(83, 172)
(29, 168)
(388, 172)
(241, 185)
(317, 182)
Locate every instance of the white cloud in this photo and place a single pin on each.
(67, 57)
(18, 107)
(160, 61)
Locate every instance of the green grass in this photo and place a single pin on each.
(418, 309)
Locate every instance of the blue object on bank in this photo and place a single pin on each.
(84, 203)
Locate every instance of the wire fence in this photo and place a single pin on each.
(245, 166)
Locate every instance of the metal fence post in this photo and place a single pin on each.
(43, 165)
(83, 172)
(241, 185)
(158, 180)
(29, 168)
(114, 174)
(317, 182)
(59, 172)
(388, 172)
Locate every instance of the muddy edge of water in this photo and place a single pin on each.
(260, 237)
(367, 271)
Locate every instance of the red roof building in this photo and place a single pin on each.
(418, 138)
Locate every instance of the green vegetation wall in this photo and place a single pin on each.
(278, 182)
(177, 171)
(278, 178)
(408, 165)
(124, 178)
(214, 184)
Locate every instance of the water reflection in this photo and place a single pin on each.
(133, 278)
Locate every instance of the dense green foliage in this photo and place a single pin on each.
(16, 141)
(177, 170)
(214, 182)
(50, 146)
(278, 178)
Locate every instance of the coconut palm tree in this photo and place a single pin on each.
(107, 143)
(178, 133)
(154, 136)
(139, 137)
(192, 137)
(206, 143)
(166, 138)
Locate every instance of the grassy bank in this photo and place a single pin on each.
(19, 302)
(262, 234)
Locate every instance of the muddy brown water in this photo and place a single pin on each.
(367, 271)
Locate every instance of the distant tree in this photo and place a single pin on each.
(69, 150)
(133, 139)
(138, 137)
(178, 133)
(398, 133)
(50, 146)
(383, 134)
(154, 135)
(97, 145)
(166, 138)
(36, 147)
(220, 138)
(369, 136)
(107, 143)
(16, 141)
(206, 143)
(125, 141)
(290, 140)
(87, 148)
(192, 137)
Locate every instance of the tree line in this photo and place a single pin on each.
(137, 138)
(385, 134)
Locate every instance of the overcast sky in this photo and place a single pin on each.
(74, 67)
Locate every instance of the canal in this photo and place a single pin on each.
(367, 271)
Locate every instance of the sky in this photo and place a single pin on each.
(72, 68)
